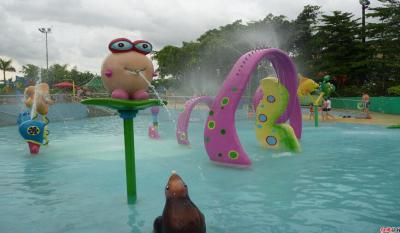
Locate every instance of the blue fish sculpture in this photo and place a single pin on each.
(33, 131)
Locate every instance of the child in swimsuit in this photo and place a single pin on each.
(365, 104)
(311, 108)
(327, 108)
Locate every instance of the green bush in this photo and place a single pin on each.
(394, 91)
(352, 90)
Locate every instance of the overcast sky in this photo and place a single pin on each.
(82, 29)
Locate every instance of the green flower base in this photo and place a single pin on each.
(394, 126)
(124, 105)
(127, 110)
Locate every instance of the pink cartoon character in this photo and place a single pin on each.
(127, 71)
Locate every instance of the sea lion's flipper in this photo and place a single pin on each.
(202, 219)
(157, 225)
(203, 223)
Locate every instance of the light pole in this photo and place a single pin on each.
(364, 5)
(45, 31)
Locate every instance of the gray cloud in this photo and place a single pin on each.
(82, 29)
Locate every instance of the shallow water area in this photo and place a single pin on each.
(346, 179)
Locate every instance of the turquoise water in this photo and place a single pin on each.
(347, 179)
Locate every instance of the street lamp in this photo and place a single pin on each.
(45, 31)
(364, 5)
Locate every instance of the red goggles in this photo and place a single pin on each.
(122, 45)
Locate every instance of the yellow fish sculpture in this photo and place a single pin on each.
(270, 134)
(306, 86)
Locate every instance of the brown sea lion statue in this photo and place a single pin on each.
(180, 214)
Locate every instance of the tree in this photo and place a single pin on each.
(80, 78)
(204, 63)
(303, 46)
(5, 65)
(30, 71)
(319, 44)
(83, 77)
(339, 47)
(169, 61)
(57, 73)
(384, 45)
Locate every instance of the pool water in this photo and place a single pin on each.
(346, 179)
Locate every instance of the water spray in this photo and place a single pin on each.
(157, 95)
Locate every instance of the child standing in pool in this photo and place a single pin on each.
(250, 112)
(365, 104)
(311, 108)
(327, 107)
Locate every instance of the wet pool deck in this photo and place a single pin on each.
(376, 118)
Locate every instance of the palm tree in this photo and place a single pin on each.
(6, 66)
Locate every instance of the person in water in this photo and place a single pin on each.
(311, 108)
(365, 104)
(250, 112)
(327, 107)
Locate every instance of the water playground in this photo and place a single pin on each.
(269, 171)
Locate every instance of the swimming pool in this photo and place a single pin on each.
(346, 179)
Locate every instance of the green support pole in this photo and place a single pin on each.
(316, 115)
(130, 161)
(127, 111)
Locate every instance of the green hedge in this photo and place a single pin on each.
(389, 105)
(394, 91)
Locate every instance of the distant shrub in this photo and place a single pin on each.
(352, 90)
(394, 91)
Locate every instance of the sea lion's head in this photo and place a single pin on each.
(176, 187)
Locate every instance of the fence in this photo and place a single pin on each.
(68, 107)
(388, 105)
